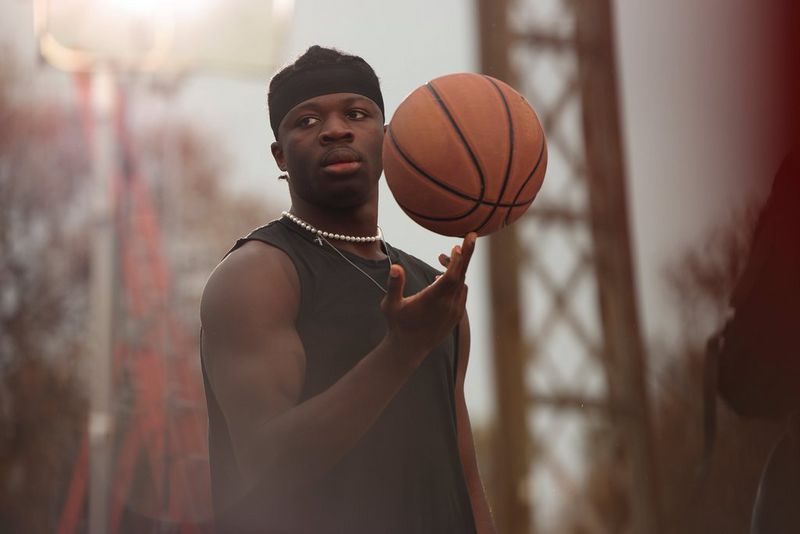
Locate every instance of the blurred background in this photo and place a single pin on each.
(134, 150)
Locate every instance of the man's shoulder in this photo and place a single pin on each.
(253, 265)
(257, 252)
(251, 250)
(273, 231)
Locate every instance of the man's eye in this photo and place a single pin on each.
(356, 114)
(307, 121)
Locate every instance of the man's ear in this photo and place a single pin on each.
(277, 153)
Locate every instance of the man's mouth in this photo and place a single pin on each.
(341, 161)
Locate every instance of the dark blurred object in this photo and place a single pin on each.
(775, 510)
(758, 351)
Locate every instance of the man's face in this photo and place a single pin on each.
(330, 146)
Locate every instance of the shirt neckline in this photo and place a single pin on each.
(309, 237)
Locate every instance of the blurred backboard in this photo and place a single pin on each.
(235, 36)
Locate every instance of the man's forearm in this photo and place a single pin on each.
(484, 524)
(297, 447)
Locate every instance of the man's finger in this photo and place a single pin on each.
(467, 248)
(454, 264)
(444, 260)
(469, 243)
(445, 282)
(394, 288)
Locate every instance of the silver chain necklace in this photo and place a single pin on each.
(323, 236)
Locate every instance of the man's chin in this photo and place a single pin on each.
(348, 197)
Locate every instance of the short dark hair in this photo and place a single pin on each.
(318, 58)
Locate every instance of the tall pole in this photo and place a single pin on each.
(613, 262)
(510, 446)
(101, 300)
(581, 339)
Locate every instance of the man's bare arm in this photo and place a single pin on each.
(466, 445)
(256, 363)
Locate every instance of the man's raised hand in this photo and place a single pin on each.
(419, 322)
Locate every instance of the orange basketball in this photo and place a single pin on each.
(464, 152)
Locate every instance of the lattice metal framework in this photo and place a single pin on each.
(158, 477)
(567, 342)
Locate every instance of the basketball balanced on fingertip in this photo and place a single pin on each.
(464, 153)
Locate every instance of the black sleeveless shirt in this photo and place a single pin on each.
(405, 475)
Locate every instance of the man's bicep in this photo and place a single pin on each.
(255, 369)
(253, 355)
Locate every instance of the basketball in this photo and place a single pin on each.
(464, 153)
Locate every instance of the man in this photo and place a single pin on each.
(334, 363)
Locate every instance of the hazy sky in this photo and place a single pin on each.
(697, 120)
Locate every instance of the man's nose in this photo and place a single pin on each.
(335, 129)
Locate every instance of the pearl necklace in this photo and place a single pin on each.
(323, 236)
(328, 235)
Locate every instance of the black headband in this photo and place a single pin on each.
(324, 80)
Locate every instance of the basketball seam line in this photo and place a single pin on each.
(452, 218)
(475, 162)
(525, 183)
(437, 97)
(408, 160)
(478, 201)
(510, 154)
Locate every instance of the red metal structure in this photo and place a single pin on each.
(159, 474)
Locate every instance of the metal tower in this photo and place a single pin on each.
(143, 464)
(156, 473)
(569, 360)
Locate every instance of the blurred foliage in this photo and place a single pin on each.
(45, 237)
(43, 278)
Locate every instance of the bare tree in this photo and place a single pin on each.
(43, 275)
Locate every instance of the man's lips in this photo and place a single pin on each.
(341, 161)
(340, 155)
(342, 168)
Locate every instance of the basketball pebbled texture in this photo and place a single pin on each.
(464, 152)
